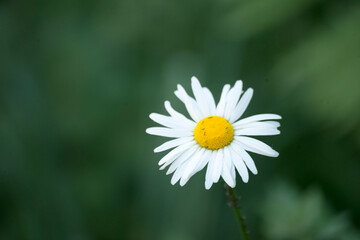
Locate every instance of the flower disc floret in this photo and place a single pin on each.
(213, 132)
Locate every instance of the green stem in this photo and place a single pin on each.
(234, 203)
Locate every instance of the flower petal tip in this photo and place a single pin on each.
(194, 79)
(183, 182)
(208, 185)
(238, 82)
(179, 87)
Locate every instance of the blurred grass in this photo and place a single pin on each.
(79, 78)
(302, 216)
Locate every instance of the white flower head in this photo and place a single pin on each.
(214, 137)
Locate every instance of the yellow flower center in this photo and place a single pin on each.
(213, 132)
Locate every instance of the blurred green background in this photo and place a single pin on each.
(79, 78)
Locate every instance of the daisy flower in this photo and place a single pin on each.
(214, 136)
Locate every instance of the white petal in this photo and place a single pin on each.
(173, 154)
(244, 156)
(225, 173)
(181, 169)
(172, 111)
(178, 173)
(229, 164)
(190, 104)
(172, 143)
(259, 117)
(232, 99)
(171, 122)
(233, 173)
(200, 96)
(262, 125)
(220, 109)
(178, 115)
(240, 166)
(256, 146)
(256, 132)
(203, 162)
(242, 105)
(168, 132)
(218, 162)
(210, 169)
(191, 166)
(180, 160)
(227, 157)
(210, 101)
